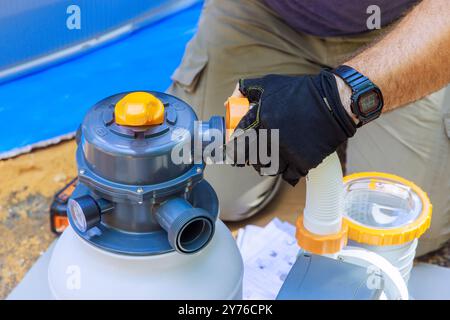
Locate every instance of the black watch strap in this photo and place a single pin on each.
(333, 100)
(358, 83)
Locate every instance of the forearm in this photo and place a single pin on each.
(412, 60)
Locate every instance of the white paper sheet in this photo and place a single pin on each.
(268, 255)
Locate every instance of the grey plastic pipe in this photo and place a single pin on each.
(188, 229)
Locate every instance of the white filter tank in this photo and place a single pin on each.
(79, 270)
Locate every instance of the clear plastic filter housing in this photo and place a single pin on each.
(381, 203)
(386, 214)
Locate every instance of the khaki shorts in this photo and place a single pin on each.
(242, 39)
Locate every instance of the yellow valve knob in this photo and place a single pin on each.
(139, 109)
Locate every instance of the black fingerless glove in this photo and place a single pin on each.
(308, 112)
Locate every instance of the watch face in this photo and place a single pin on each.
(368, 102)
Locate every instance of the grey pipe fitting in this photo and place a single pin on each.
(134, 169)
(211, 130)
(188, 229)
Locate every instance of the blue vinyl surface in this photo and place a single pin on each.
(53, 102)
(30, 29)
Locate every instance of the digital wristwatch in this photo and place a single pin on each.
(366, 100)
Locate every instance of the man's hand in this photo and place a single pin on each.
(308, 113)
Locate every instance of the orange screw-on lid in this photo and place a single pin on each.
(139, 109)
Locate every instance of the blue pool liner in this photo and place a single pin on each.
(47, 106)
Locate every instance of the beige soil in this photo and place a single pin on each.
(27, 186)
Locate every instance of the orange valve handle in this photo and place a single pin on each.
(236, 109)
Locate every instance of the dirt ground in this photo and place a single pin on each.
(27, 186)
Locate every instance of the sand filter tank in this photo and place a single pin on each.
(386, 214)
(143, 226)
